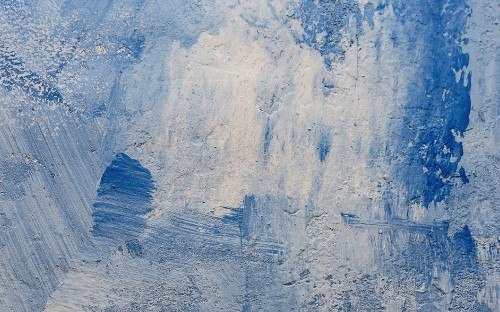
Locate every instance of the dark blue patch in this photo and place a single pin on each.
(123, 197)
(236, 216)
(134, 247)
(137, 44)
(324, 145)
(387, 211)
(426, 154)
(464, 243)
(463, 175)
(304, 274)
(329, 20)
(267, 140)
(14, 73)
(134, 45)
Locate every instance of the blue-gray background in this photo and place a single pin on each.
(277, 155)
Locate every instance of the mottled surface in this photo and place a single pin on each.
(263, 155)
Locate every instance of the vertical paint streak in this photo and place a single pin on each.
(324, 145)
(436, 113)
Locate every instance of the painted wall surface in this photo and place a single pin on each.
(249, 155)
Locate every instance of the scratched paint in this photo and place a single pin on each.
(281, 155)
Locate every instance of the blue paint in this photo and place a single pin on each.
(246, 225)
(464, 242)
(463, 175)
(249, 210)
(311, 208)
(440, 228)
(369, 14)
(263, 227)
(228, 237)
(304, 274)
(481, 307)
(235, 217)
(438, 106)
(250, 238)
(246, 307)
(329, 19)
(208, 233)
(324, 145)
(416, 252)
(328, 86)
(14, 73)
(126, 49)
(388, 210)
(267, 140)
(134, 247)
(260, 221)
(123, 197)
(135, 45)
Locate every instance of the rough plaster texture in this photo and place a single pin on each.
(279, 155)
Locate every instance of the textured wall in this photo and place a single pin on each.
(251, 155)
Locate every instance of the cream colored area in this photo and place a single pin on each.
(207, 123)
(199, 122)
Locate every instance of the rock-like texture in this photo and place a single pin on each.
(259, 155)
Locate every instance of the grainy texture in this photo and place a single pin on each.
(254, 155)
